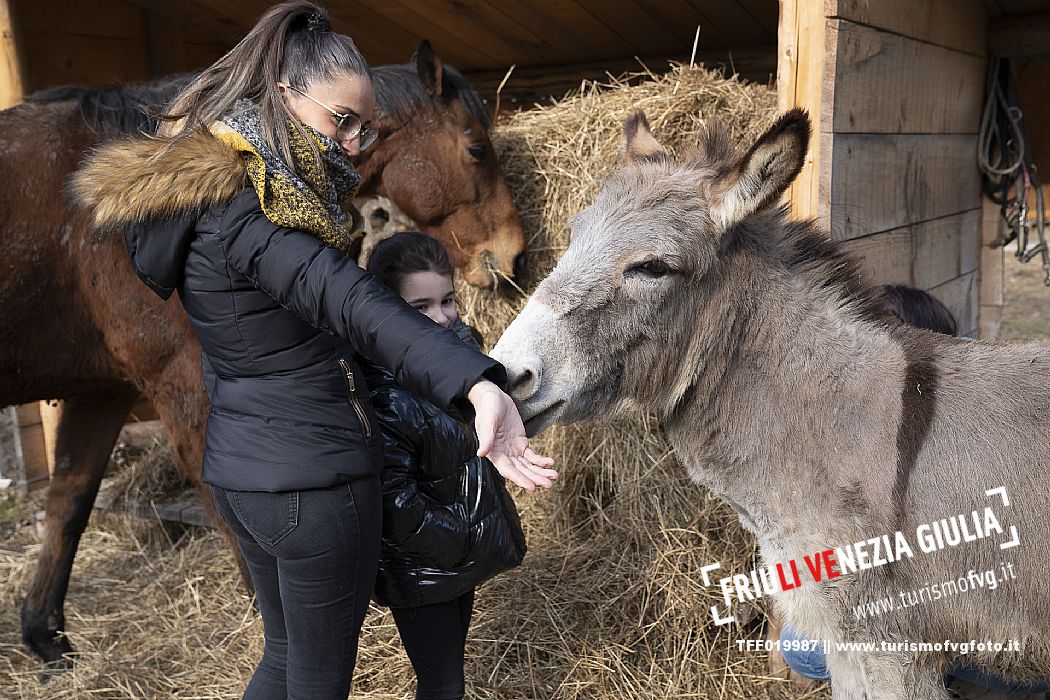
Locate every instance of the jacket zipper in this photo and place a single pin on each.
(353, 398)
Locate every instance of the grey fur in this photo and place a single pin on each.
(785, 390)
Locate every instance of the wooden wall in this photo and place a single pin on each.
(98, 42)
(895, 88)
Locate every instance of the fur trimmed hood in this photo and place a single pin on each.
(141, 178)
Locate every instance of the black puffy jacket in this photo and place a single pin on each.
(448, 521)
(279, 314)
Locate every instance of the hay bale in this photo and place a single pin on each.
(611, 596)
(608, 604)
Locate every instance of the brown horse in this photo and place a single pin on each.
(76, 324)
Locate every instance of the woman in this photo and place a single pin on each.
(448, 522)
(244, 206)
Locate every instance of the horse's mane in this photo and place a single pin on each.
(118, 109)
(126, 109)
(400, 94)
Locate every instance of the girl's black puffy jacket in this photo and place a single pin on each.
(448, 521)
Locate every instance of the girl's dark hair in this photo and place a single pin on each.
(918, 308)
(292, 43)
(407, 252)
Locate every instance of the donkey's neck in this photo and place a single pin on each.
(787, 415)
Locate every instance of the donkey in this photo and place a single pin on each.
(785, 389)
(76, 323)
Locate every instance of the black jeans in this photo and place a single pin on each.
(313, 557)
(434, 637)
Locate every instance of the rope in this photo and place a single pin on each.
(1008, 173)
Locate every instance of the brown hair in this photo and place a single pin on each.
(292, 42)
(405, 253)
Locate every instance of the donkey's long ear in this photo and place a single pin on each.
(763, 173)
(638, 141)
(429, 67)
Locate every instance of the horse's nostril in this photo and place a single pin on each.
(520, 260)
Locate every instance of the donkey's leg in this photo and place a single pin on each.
(87, 431)
(899, 677)
(847, 676)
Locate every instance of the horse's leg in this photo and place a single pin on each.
(184, 411)
(87, 431)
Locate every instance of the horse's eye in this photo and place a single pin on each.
(477, 152)
(651, 268)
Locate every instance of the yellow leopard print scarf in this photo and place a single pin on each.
(315, 197)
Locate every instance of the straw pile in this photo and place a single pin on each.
(609, 603)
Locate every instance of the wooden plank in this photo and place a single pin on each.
(960, 296)
(1020, 36)
(200, 56)
(637, 28)
(529, 15)
(59, 59)
(921, 255)
(1033, 91)
(12, 81)
(886, 83)
(165, 45)
(989, 322)
(885, 258)
(530, 84)
(35, 472)
(723, 24)
(806, 68)
(945, 248)
(12, 465)
(764, 12)
(50, 417)
(100, 18)
(954, 24)
(993, 264)
(450, 32)
(885, 181)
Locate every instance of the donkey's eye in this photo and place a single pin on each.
(477, 152)
(650, 268)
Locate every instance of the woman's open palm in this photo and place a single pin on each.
(501, 438)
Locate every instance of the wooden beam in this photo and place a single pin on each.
(11, 81)
(806, 78)
(992, 274)
(1020, 36)
(530, 84)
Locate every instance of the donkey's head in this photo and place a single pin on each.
(436, 162)
(633, 305)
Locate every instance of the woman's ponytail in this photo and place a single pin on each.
(292, 42)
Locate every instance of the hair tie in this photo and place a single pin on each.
(317, 22)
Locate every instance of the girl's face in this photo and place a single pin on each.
(343, 94)
(431, 294)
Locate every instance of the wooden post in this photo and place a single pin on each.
(11, 89)
(992, 271)
(801, 82)
(12, 466)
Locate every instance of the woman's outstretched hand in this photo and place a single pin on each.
(501, 438)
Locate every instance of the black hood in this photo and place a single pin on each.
(158, 250)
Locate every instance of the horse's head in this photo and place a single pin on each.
(654, 277)
(437, 164)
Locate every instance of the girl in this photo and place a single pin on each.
(244, 207)
(448, 522)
